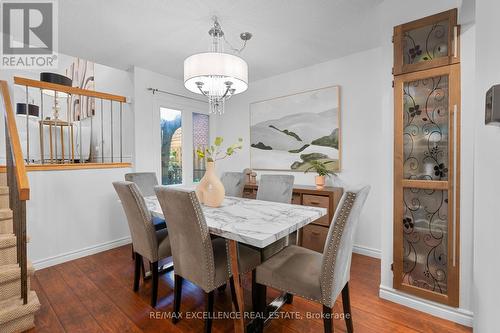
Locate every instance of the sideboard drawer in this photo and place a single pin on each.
(314, 237)
(296, 199)
(318, 201)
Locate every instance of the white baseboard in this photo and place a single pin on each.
(68, 256)
(460, 316)
(366, 251)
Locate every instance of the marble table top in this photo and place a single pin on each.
(253, 222)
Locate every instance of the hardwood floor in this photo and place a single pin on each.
(94, 294)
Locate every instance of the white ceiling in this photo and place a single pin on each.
(159, 34)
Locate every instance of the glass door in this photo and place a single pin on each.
(426, 171)
(171, 146)
(426, 43)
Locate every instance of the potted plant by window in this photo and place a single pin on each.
(210, 190)
(322, 170)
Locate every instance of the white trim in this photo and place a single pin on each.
(457, 315)
(72, 255)
(367, 251)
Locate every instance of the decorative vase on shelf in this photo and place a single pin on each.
(320, 182)
(210, 190)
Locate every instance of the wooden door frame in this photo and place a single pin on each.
(452, 185)
(453, 42)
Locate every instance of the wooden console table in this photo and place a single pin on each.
(313, 236)
(53, 141)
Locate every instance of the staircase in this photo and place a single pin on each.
(18, 304)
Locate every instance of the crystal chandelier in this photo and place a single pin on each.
(215, 74)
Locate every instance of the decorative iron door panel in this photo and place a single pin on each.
(426, 43)
(426, 197)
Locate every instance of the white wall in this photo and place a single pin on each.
(360, 90)
(74, 213)
(487, 166)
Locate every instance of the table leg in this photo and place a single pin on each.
(239, 323)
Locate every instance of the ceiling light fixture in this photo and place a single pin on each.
(215, 74)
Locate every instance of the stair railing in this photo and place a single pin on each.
(19, 190)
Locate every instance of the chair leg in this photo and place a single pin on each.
(260, 291)
(222, 288)
(346, 303)
(254, 290)
(209, 309)
(177, 298)
(137, 271)
(327, 319)
(154, 291)
(233, 294)
(289, 298)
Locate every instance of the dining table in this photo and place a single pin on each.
(253, 222)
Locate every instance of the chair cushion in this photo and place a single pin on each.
(295, 270)
(164, 250)
(248, 259)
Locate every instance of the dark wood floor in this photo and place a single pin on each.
(94, 294)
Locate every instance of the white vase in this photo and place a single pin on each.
(210, 190)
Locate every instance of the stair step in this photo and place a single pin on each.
(4, 197)
(16, 316)
(6, 224)
(5, 213)
(10, 280)
(8, 251)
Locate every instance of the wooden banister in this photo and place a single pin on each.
(23, 186)
(70, 90)
(19, 189)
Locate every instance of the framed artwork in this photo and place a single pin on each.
(288, 132)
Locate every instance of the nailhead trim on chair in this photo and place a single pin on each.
(327, 271)
(209, 257)
(146, 215)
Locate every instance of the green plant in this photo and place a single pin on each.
(213, 153)
(320, 168)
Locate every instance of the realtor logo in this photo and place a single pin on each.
(29, 34)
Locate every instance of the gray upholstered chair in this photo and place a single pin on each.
(197, 257)
(276, 188)
(234, 183)
(147, 242)
(315, 276)
(146, 182)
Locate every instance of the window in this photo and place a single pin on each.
(171, 146)
(200, 141)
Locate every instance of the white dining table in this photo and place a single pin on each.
(253, 222)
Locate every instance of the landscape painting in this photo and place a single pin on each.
(289, 132)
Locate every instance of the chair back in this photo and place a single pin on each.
(190, 240)
(277, 188)
(139, 220)
(234, 183)
(337, 253)
(146, 181)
